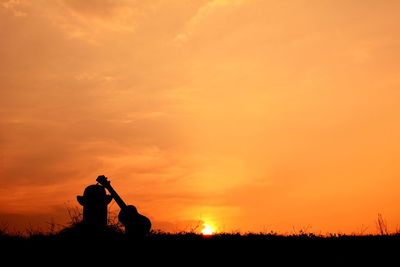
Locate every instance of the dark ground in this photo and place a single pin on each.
(110, 247)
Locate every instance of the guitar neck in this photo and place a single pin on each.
(116, 197)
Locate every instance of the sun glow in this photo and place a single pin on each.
(207, 230)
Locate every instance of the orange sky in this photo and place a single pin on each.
(248, 115)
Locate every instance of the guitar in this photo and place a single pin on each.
(135, 224)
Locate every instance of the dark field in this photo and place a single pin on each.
(112, 246)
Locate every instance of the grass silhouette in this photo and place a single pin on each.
(299, 247)
(226, 247)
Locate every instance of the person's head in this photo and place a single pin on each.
(94, 195)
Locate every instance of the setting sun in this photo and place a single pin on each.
(207, 230)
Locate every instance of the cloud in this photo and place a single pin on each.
(257, 102)
(15, 6)
(94, 7)
(208, 9)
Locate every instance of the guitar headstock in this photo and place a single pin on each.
(103, 181)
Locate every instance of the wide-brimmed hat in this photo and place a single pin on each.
(94, 194)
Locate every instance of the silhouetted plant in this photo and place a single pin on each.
(53, 227)
(4, 228)
(195, 228)
(382, 225)
(113, 222)
(75, 215)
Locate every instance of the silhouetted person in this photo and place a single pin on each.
(94, 202)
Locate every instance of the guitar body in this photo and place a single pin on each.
(135, 224)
